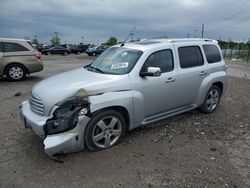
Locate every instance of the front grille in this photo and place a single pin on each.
(36, 104)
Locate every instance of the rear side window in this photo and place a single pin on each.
(13, 47)
(162, 59)
(190, 56)
(212, 53)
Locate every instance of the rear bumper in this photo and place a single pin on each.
(36, 67)
(67, 142)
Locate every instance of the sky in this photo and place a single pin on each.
(94, 21)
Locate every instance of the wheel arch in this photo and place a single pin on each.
(219, 79)
(220, 85)
(15, 63)
(121, 109)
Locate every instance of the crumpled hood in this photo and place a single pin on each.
(62, 86)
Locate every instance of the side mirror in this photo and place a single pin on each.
(152, 71)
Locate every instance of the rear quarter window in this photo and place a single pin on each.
(212, 53)
(190, 56)
(13, 47)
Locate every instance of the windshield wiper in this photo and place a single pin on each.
(95, 68)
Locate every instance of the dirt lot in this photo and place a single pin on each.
(188, 150)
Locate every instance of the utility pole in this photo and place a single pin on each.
(82, 39)
(202, 31)
(57, 41)
(188, 35)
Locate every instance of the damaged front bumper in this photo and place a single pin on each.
(66, 142)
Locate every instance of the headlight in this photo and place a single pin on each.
(66, 115)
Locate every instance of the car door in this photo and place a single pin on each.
(159, 93)
(192, 71)
(57, 50)
(1, 59)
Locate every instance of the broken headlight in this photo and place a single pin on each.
(66, 115)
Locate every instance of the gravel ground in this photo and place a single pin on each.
(188, 150)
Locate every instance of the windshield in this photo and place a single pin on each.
(116, 60)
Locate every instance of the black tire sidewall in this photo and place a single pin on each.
(89, 129)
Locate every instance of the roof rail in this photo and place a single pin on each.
(192, 40)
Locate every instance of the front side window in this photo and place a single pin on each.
(212, 53)
(115, 60)
(13, 47)
(190, 56)
(162, 59)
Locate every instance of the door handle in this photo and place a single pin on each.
(170, 80)
(203, 73)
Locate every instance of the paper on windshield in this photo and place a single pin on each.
(120, 65)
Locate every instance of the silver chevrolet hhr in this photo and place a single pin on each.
(127, 86)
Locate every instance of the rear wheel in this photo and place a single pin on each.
(104, 130)
(15, 72)
(212, 100)
(65, 53)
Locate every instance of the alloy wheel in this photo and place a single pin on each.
(107, 132)
(212, 99)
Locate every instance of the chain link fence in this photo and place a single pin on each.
(233, 50)
(236, 54)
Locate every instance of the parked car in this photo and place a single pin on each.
(96, 50)
(129, 85)
(18, 58)
(56, 50)
(78, 49)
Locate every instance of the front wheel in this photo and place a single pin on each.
(65, 53)
(212, 100)
(104, 130)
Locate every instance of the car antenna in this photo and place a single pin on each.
(122, 44)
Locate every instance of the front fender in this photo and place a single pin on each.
(113, 99)
(207, 83)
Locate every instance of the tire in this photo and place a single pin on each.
(78, 53)
(48, 53)
(15, 72)
(105, 129)
(212, 100)
(94, 54)
(65, 53)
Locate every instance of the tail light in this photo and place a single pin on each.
(38, 57)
